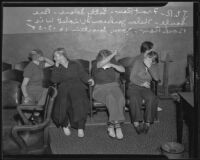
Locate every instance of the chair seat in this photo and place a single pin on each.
(143, 103)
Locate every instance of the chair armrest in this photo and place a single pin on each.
(155, 86)
(30, 107)
(17, 129)
(20, 108)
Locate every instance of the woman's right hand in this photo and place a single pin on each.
(148, 62)
(27, 99)
(115, 52)
(57, 64)
(146, 84)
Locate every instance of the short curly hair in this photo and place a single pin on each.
(146, 45)
(103, 53)
(61, 51)
(34, 53)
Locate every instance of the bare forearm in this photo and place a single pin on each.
(105, 61)
(24, 91)
(119, 68)
(49, 62)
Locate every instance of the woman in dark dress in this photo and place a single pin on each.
(72, 103)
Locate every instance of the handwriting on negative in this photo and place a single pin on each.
(110, 20)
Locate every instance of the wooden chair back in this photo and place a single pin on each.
(21, 65)
(12, 74)
(36, 130)
(6, 66)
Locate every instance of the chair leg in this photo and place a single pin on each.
(156, 117)
(46, 136)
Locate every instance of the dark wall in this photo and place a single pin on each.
(86, 46)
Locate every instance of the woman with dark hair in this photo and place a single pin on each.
(105, 72)
(72, 102)
(32, 85)
(142, 73)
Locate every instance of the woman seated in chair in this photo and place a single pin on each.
(142, 73)
(105, 72)
(32, 85)
(72, 102)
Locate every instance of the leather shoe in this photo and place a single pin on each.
(139, 129)
(146, 128)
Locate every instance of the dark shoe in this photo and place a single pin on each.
(139, 128)
(146, 128)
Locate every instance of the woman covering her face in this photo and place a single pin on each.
(32, 85)
(106, 72)
(72, 103)
(144, 70)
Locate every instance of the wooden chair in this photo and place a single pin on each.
(12, 74)
(33, 139)
(11, 88)
(21, 65)
(6, 66)
(126, 62)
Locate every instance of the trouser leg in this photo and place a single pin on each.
(135, 104)
(151, 105)
(115, 110)
(80, 108)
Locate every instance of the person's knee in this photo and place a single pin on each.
(135, 98)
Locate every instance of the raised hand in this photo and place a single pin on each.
(27, 99)
(41, 58)
(148, 62)
(57, 64)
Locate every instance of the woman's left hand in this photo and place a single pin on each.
(41, 58)
(91, 82)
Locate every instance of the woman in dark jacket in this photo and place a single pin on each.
(145, 68)
(72, 103)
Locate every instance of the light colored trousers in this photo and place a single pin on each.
(111, 95)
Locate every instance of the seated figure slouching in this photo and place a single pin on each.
(143, 70)
(105, 72)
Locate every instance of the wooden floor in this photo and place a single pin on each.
(160, 132)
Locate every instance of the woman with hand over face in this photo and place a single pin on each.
(105, 72)
(72, 102)
(32, 85)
